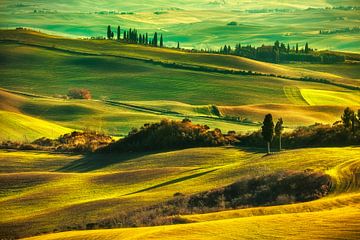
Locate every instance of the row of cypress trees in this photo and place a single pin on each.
(132, 36)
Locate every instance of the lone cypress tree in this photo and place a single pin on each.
(118, 33)
(268, 130)
(109, 32)
(161, 41)
(278, 130)
(347, 117)
(178, 45)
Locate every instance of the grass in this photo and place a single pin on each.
(196, 24)
(323, 97)
(121, 184)
(19, 127)
(112, 71)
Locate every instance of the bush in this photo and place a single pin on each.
(79, 93)
(87, 141)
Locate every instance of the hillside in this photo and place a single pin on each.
(165, 56)
(116, 183)
(129, 89)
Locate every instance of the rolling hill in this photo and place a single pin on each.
(132, 85)
(117, 183)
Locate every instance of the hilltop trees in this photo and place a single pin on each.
(118, 33)
(109, 32)
(161, 41)
(347, 117)
(155, 40)
(278, 130)
(268, 130)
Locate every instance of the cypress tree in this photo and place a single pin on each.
(297, 48)
(118, 33)
(178, 45)
(155, 40)
(161, 41)
(278, 130)
(268, 130)
(347, 117)
(146, 39)
(109, 32)
(306, 48)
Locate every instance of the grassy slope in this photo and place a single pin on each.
(113, 48)
(117, 120)
(145, 85)
(114, 183)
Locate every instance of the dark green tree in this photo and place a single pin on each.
(118, 33)
(109, 32)
(288, 48)
(278, 130)
(178, 45)
(146, 39)
(347, 117)
(297, 48)
(267, 130)
(161, 41)
(155, 40)
(306, 48)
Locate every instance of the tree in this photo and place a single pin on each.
(306, 48)
(178, 45)
(268, 130)
(155, 39)
(278, 130)
(109, 32)
(347, 117)
(288, 48)
(112, 35)
(118, 33)
(146, 39)
(161, 41)
(297, 48)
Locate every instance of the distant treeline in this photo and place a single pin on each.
(132, 35)
(281, 52)
(340, 30)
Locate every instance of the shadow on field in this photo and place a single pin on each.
(173, 181)
(93, 162)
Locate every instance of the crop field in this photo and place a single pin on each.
(196, 24)
(65, 193)
(117, 182)
(129, 92)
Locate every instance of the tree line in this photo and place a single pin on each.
(133, 36)
(281, 52)
(343, 132)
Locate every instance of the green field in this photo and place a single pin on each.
(196, 24)
(132, 85)
(78, 186)
(141, 91)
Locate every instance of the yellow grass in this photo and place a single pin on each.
(325, 97)
(92, 189)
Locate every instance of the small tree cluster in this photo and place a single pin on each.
(133, 36)
(79, 93)
(170, 134)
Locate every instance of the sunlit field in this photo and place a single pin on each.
(107, 137)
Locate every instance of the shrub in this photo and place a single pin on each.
(79, 93)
